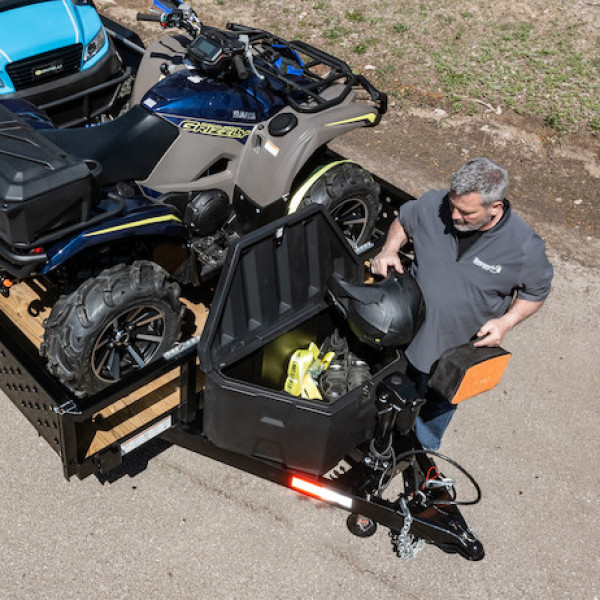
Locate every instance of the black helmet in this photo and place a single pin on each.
(387, 313)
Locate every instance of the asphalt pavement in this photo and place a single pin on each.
(175, 525)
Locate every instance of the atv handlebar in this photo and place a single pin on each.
(183, 18)
(250, 51)
(148, 17)
(240, 67)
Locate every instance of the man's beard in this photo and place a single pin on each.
(468, 227)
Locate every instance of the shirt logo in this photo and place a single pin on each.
(495, 269)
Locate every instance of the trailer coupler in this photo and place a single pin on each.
(426, 511)
(412, 523)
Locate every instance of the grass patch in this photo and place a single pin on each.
(516, 68)
(335, 33)
(365, 45)
(356, 16)
(542, 61)
(400, 28)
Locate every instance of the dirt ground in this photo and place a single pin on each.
(555, 180)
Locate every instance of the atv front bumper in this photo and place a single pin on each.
(91, 92)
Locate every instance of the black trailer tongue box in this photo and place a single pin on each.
(270, 301)
(42, 188)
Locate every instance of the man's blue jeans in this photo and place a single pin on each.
(435, 415)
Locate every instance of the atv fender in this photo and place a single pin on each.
(166, 50)
(299, 194)
(158, 222)
(284, 157)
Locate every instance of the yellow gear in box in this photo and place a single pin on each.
(304, 368)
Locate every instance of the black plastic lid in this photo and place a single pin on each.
(31, 165)
(273, 280)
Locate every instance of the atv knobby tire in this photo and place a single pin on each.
(111, 325)
(351, 195)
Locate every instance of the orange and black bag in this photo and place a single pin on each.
(465, 371)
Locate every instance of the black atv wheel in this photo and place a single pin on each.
(351, 196)
(112, 325)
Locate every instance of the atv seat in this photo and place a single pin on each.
(127, 148)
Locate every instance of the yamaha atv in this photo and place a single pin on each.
(228, 131)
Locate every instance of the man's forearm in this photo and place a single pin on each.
(520, 310)
(396, 238)
(493, 332)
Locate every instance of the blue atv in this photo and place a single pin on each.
(57, 54)
(228, 131)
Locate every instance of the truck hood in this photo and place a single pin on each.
(36, 27)
(10, 4)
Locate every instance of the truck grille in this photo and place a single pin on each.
(45, 67)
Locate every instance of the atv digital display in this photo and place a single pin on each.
(205, 52)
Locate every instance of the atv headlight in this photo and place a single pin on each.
(95, 45)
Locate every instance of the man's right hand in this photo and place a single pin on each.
(388, 257)
(383, 261)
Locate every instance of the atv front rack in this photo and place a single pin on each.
(312, 77)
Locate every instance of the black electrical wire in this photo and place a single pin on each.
(387, 454)
(453, 463)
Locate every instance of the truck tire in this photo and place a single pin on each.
(351, 196)
(112, 325)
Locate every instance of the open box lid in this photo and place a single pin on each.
(274, 279)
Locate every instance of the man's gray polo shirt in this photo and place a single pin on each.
(462, 294)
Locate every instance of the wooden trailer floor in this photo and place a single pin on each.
(30, 303)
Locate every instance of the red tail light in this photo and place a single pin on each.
(321, 492)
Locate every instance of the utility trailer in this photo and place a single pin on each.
(220, 392)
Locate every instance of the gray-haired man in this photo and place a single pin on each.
(480, 267)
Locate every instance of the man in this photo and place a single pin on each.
(481, 268)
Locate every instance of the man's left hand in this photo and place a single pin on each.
(492, 333)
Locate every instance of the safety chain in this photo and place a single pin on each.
(404, 543)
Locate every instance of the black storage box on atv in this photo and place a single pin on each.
(42, 187)
(271, 300)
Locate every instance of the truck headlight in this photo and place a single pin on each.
(95, 45)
